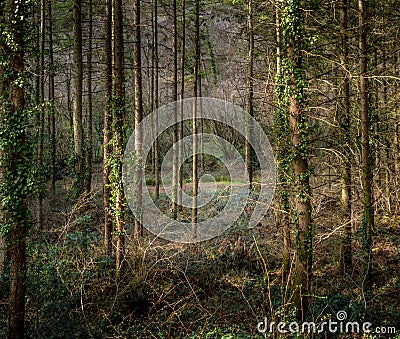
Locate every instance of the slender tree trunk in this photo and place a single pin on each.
(182, 94)
(345, 261)
(250, 88)
(366, 176)
(107, 133)
(200, 121)
(388, 164)
(39, 212)
(89, 122)
(156, 99)
(118, 116)
(77, 100)
(195, 182)
(4, 248)
(152, 81)
(396, 151)
(175, 136)
(396, 148)
(137, 65)
(376, 138)
(52, 107)
(283, 163)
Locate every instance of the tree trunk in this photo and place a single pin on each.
(78, 186)
(89, 122)
(137, 65)
(16, 160)
(396, 148)
(175, 136)
(292, 68)
(345, 261)
(250, 89)
(366, 175)
(283, 163)
(4, 248)
(388, 163)
(118, 116)
(107, 134)
(182, 94)
(52, 107)
(156, 99)
(195, 182)
(39, 207)
(303, 265)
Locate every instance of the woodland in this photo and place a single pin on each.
(319, 79)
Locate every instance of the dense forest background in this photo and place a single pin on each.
(78, 76)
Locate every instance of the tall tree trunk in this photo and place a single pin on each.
(175, 136)
(78, 186)
(89, 121)
(293, 70)
(152, 83)
(396, 129)
(16, 160)
(303, 265)
(388, 164)
(156, 99)
(118, 116)
(250, 88)
(366, 176)
(39, 207)
(4, 248)
(52, 107)
(283, 163)
(137, 65)
(195, 181)
(345, 261)
(182, 94)
(107, 132)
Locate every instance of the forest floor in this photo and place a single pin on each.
(221, 288)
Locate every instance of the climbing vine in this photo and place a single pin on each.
(16, 151)
(115, 161)
(292, 130)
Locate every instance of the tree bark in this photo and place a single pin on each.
(52, 107)
(175, 136)
(107, 133)
(156, 99)
(78, 186)
(182, 95)
(137, 65)
(396, 130)
(250, 88)
(39, 207)
(283, 163)
(292, 37)
(118, 116)
(366, 175)
(345, 260)
(195, 182)
(16, 159)
(89, 121)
